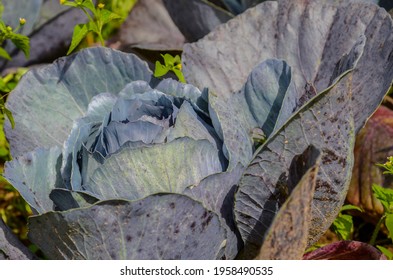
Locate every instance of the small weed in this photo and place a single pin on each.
(170, 64)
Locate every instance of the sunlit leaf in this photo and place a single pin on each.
(163, 226)
(62, 94)
(4, 54)
(80, 32)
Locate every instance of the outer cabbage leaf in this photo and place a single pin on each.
(311, 36)
(35, 175)
(149, 26)
(266, 97)
(165, 226)
(216, 192)
(45, 119)
(326, 123)
(136, 173)
(11, 248)
(288, 235)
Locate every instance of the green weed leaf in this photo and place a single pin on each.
(8, 113)
(386, 252)
(4, 54)
(22, 42)
(70, 4)
(177, 60)
(89, 4)
(351, 207)
(3, 85)
(343, 226)
(170, 64)
(168, 59)
(1, 9)
(80, 32)
(388, 166)
(385, 196)
(389, 224)
(107, 16)
(179, 75)
(160, 70)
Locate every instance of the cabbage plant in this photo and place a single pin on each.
(252, 159)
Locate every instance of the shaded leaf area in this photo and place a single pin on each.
(45, 119)
(64, 199)
(239, 6)
(310, 37)
(10, 246)
(374, 143)
(136, 173)
(166, 226)
(288, 235)
(196, 18)
(267, 98)
(325, 123)
(346, 250)
(35, 175)
(204, 15)
(149, 26)
(216, 192)
(386, 4)
(269, 94)
(98, 108)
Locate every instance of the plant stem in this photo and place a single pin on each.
(87, 14)
(102, 41)
(376, 230)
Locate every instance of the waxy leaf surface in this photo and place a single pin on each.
(288, 235)
(136, 173)
(312, 37)
(35, 175)
(325, 123)
(165, 226)
(48, 99)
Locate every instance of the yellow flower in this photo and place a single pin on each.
(62, 2)
(101, 5)
(22, 21)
